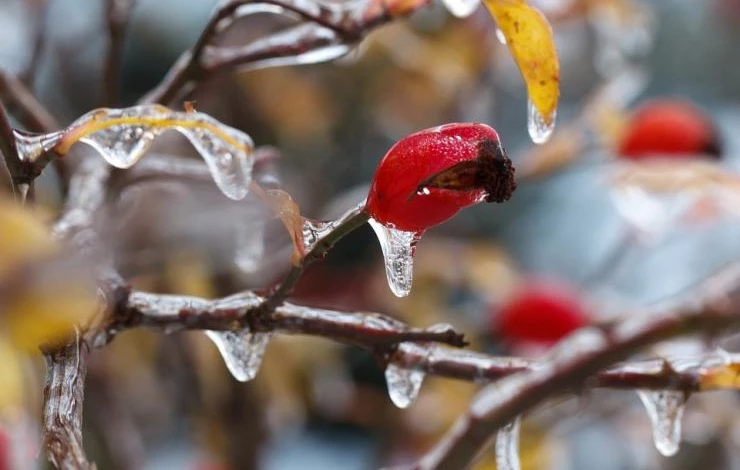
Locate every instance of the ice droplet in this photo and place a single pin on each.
(398, 253)
(665, 410)
(250, 244)
(507, 446)
(404, 383)
(461, 8)
(500, 36)
(537, 126)
(241, 350)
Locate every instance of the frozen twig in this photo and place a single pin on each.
(714, 310)
(63, 398)
(28, 108)
(349, 27)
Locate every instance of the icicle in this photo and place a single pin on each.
(537, 126)
(250, 244)
(500, 36)
(507, 446)
(241, 350)
(665, 410)
(404, 383)
(461, 8)
(398, 253)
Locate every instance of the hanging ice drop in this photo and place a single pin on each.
(461, 8)
(404, 384)
(241, 350)
(665, 410)
(539, 128)
(507, 446)
(398, 253)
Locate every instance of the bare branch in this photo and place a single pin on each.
(31, 113)
(39, 13)
(63, 397)
(118, 13)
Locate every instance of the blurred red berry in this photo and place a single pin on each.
(427, 177)
(669, 127)
(539, 312)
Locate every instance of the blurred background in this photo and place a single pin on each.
(571, 240)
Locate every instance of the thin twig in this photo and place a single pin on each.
(41, 9)
(30, 112)
(118, 13)
(13, 163)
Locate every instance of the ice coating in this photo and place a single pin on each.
(241, 350)
(540, 127)
(665, 409)
(122, 137)
(507, 446)
(314, 230)
(398, 254)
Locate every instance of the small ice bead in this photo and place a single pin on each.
(461, 8)
(241, 351)
(507, 446)
(537, 125)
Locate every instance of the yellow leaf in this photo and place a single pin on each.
(530, 40)
(23, 236)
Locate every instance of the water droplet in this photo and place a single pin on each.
(461, 8)
(250, 244)
(398, 253)
(424, 191)
(241, 350)
(665, 410)
(537, 126)
(500, 36)
(507, 446)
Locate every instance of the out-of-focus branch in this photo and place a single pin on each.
(39, 14)
(13, 163)
(63, 398)
(29, 110)
(349, 26)
(118, 13)
(712, 311)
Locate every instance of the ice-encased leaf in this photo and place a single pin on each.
(398, 248)
(665, 409)
(241, 350)
(507, 446)
(539, 127)
(122, 136)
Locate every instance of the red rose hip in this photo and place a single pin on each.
(427, 177)
(539, 312)
(669, 127)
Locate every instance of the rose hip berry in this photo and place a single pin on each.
(540, 312)
(669, 127)
(427, 177)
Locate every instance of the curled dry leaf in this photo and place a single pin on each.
(122, 137)
(283, 206)
(530, 40)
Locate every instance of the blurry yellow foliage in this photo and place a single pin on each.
(530, 40)
(11, 378)
(42, 302)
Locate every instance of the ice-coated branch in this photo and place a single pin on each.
(63, 398)
(715, 309)
(172, 313)
(325, 27)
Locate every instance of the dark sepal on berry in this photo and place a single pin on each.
(492, 171)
